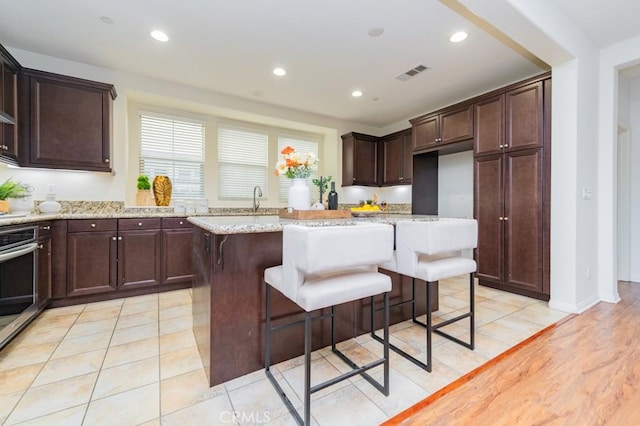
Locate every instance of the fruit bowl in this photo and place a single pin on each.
(364, 213)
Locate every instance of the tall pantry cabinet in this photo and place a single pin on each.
(511, 181)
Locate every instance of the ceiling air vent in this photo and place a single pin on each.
(412, 72)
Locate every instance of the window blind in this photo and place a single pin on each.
(243, 161)
(174, 148)
(304, 145)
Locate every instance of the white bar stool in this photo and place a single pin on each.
(431, 251)
(325, 266)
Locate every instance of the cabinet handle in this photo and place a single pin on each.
(106, 160)
(139, 223)
(506, 218)
(506, 145)
(113, 238)
(354, 179)
(401, 178)
(119, 238)
(40, 246)
(501, 218)
(45, 228)
(181, 223)
(93, 225)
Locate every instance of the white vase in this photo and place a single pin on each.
(299, 195)
(50, 205)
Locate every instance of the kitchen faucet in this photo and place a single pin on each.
(256, 200)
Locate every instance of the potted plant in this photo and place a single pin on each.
(144, 196)
(11, 189)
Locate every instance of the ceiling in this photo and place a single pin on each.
(231, 47)
(606, 22)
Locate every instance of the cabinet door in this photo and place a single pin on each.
(348, 159)
(426, 133)
(489, 126)
(524, 117)
(407, 159)
(69, 124)
(392, 158)
(456, 125)
(139, 258)
(9, 97)
(43, 292)
(523, 219)
(488, 206)
(177, 255)
(91, 262)
(365, 162)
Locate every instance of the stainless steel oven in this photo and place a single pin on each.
(17, 280)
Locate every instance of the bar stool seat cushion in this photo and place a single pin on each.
(430, 269)
(329, 265)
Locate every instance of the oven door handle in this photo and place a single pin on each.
(21, 251)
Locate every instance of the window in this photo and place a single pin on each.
(300, 144)
(243, 161)
(175, 148)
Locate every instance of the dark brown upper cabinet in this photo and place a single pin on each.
(66, 122)
(9, 69)
(510, 121)
(448, 126)
(359, 159)
(397, 158)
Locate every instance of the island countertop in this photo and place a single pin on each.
(225, 225)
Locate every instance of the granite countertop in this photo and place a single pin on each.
(257, 224)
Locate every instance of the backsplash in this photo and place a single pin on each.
(118, 207)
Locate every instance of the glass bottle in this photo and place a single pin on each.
(333, 197)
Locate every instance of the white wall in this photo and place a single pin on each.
(120, 186)
(455, 185)
(634, 181)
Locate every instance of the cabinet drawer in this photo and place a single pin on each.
(88, 225)
(175, 223)
(131, 224)
(44, 229)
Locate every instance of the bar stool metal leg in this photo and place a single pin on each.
(307, 368)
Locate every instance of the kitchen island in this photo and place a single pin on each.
(230, 255)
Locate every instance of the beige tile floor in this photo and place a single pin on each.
(134, 361)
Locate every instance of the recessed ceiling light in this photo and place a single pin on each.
(356, 93)
(106, 20)
(458, 37)
(279, 72)
(159, 35)
(375, 31)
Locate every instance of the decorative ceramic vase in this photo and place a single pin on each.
(50, 205)
(299, 195)
(144, 197)
(162, 190)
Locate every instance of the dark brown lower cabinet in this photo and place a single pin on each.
(177, 242)
(139, 258)
(110, 256)
(509, 209)
(92, 262)
(43, 288)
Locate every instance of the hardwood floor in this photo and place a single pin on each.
(584, 371)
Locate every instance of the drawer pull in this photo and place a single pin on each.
(139, 223)
(181, 223)
(40, 246)
(45, 228)
(113, 238)
(93, 225)
(119, 238)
